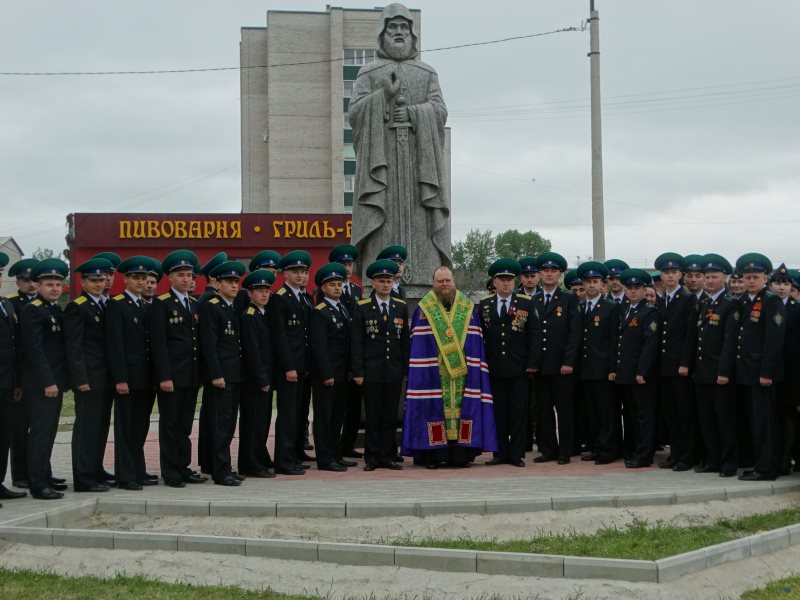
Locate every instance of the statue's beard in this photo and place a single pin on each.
(446, 297)
(397, 51)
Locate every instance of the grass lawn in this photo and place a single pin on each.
(28, 585)
(786, 589)
(638, 541)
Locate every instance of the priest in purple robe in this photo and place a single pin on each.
(449, 417)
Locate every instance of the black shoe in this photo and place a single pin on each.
(261, 475)
(517, 463)
(398, 459)
(131, 485)
(59, 487)
(727, 473)
(369, 467)
(589, 457)
(391, 466)
(7, 494)
(604, 461)
(47, 494)
(667, 465)
(149, 482)
(106, 476)
(635, 464)
(96, 488)
(52, 479)
(229, 481)
(496, 461)
(293, 470)
(756, 476)
(21, 483)
(346, 463)
(334, 466)
(706, 469)
(151, 477)
(682, 467)
(195, 478)
(305, 456)
(178, 483)
(307, 445)
(563, 460)
(543, 459)
(238, 476)
(353, 453)
(433, 466)
(302, 466)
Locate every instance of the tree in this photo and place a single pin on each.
(42, 253)
(516, 244)
(471, 259)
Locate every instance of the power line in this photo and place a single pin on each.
(294, 64)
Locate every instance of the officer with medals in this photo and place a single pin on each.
(84, 334)
(598, 360)
(288, 321)
(45, 374)
(759, 362)
(636, 369)
(26, 291)
(379, 353)
(512, 336)
(399, 255)
(329, 329)
(529, 285)
(715, 390)
(222, 356)
(616, 291)
(555, 382)
(175, 352)
(256, 402)
(128, 351)
(679, 313)
(9, 386)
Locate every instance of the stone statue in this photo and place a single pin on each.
(398, 115)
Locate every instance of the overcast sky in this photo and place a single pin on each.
(700, 128)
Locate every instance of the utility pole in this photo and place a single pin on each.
(598, 219)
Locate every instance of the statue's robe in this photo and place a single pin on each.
(381, 217)
(448, 398)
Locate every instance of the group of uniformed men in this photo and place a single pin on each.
(704, 359)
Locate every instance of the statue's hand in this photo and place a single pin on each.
(400, 114)
(391, 85)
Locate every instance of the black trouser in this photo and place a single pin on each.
(641, 398)
(290, 397)
(330, 402)
(19, 439)
(555, 392)
(744, 426)
(510, 405)
(677, 397)
(44, 413)
(6, 427)
(788, 400)
(205, 451)
(255, 417)
(381, 403)
(530, 422)
(175, 421)
(131, 423)
(766, 441)
(580, 418)
(301, 433)
(223, 404)
(716, 412)
(603, 418)
(352, 418)
(89, 436)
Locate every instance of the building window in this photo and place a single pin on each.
(348, 89)
(349, 183)
(346, 120)
(358, 56)
(349, 152)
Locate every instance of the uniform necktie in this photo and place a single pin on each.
(503, 308)
(342, 311)
(546, 299)
(3, 310)
(618, 300)
(384, 312)
(139, 303)
(186, 304)
(666, 301)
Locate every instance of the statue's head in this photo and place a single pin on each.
(396, 39)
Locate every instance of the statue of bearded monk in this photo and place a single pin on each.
(398, 115)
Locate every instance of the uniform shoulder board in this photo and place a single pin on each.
(119, 297)
(365, 301)
(281, 291)
(164, 296)
(80, 300)
(486, 297)
(36, 302)
(768, 292)
(214, 301)
(728, 296)
(607, 300)
(399, 300)
(11, 296)
(320, 306)
(523, 296)
(251, 310)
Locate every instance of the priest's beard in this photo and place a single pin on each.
(446, 297)
(397, 51)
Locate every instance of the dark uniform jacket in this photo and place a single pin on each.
(18, 301)
(513, 343)
(85, 339)
(379, 349)
(561, 330)
(762, 329)
(127, 343)
(44, 361)
(330, 342)
(791, 345)
(256, 347)
(637, 343)
(717, 326)
(288, 321)
(351, 294)
(173, 340)
(678, 332)
(219, 341)
(599, 344)
(9, 332)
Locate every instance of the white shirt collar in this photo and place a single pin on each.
(97, 299)
(182, 297)
(717, 295)
(133, 296)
